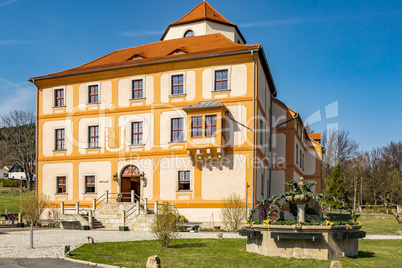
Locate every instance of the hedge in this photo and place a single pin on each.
(10, 183)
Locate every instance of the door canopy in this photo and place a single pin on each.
(131, 171)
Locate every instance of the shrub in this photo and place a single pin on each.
(32, 206)
(233, 212)
(8, 183)
(165, 224)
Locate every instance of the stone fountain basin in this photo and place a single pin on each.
(299, 199)
(307, 242)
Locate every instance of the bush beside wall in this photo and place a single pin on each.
(9, 183)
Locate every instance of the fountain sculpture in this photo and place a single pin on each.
(270, 235)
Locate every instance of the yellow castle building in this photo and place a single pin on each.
(189, 119)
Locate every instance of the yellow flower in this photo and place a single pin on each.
(265, 222)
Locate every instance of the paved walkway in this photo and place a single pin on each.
(39, 263)
(48, 242)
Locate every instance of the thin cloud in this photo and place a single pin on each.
(296, 21)
(16, 96)
(140, 33)
(281, 22)
(7, 2)
(12, 42)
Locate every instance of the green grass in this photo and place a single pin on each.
(227, 253)
(10, 200)
(379, 224)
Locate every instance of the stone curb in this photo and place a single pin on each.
(90, 263)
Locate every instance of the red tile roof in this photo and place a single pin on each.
(203, 11)
(159, 52)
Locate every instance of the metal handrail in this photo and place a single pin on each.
(84, 211)
(128, 213)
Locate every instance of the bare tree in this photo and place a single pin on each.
(339, 148)
(18, 131)
(233, 212)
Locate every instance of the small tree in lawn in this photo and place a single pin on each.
(32, 206)
(233, 212)
(336, 187)
(165, 224)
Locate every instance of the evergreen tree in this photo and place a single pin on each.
(336, 187)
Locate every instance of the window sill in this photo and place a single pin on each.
(137, 145)
(177, 95)
(176, 142)
(218, 91)
(58, 107)
(59, 150)
(210, 136)
(184, 191)
(89, 193)
(93, 103)
(59, 194)
(138, 99)
(93, 148)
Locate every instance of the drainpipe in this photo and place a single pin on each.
(270, 148)
(253, 151)
(36, 139)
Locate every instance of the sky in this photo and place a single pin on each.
(338, 63)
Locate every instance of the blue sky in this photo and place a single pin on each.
(338, 63)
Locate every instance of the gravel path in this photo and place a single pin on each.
(48, 242)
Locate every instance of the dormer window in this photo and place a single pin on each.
(189, 33)
(136, 57)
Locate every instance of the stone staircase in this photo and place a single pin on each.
(95, 223)
(115, 215)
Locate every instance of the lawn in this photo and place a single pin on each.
(227, 253)
(379, 224)
(9, 199)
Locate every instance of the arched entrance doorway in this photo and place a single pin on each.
(130, 180)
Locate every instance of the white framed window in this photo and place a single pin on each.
(137, 88)
(184, 180)
(177, 84)
(221, 78)
(93, 93)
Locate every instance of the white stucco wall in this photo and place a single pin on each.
(49, 98)
(165, 125)
(125, 90)
(278, 148)
(199, 28)
(104, 91)
(237, 134)
(83, 125)
(310, 158)
(237, 80)
(169, 168)
(49, 136)
(49, 184)
(278, 182)
(203, 28)
(278, 115)
(147, 125)
(188, 82)
(103, 176)
(222, 180)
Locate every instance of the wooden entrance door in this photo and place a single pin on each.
(130, 180)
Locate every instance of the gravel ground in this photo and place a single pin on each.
(48, 242)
